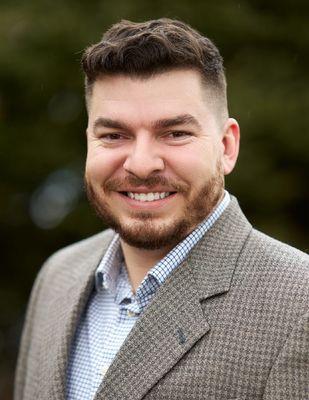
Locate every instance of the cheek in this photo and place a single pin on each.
(193, 167)
(100, 165)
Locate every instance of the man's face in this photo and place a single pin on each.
(154, 163)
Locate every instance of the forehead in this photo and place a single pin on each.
(135, 99)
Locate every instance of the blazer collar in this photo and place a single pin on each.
(214, 259)
(174, 320)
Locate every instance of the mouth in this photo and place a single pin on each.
(147, 197)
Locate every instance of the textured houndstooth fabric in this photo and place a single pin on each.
(231, 322)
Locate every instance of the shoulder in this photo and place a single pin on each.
(259, 248)
(67, 262)
(277, 272)
(82, 247)
(274, 253)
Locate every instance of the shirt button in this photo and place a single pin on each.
(130, 313)
(104, 369)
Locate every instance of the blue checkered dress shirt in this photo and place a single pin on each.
(113, 309)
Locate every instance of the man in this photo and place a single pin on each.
(182, 298)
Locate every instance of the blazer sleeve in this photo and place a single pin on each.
(24, 360)
(289, 376)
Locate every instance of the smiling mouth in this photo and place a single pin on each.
(144, 197)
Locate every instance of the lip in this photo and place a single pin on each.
(146, 205)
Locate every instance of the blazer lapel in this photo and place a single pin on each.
(174, 320)
(63, 315)
(169, 327)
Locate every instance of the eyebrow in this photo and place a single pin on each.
(183, 119)
(108, 123)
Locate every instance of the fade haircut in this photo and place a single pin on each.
(141, 50)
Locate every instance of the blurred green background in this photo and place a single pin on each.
(265, 45)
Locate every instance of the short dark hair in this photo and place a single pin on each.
(147, 48)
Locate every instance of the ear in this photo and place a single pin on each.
(230, 145)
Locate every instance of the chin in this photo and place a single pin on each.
(152, 235)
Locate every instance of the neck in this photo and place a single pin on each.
(140, 261)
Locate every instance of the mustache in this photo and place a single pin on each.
(118, 184)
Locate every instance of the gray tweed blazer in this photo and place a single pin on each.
(231, 322)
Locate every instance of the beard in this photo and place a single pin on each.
(144, 231)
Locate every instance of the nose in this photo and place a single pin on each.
(143, 159)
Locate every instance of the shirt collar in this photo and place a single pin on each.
(108, 270)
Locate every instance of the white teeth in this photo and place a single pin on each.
(148, 196)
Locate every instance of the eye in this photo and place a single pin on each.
(178, 134)
(112, 137)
